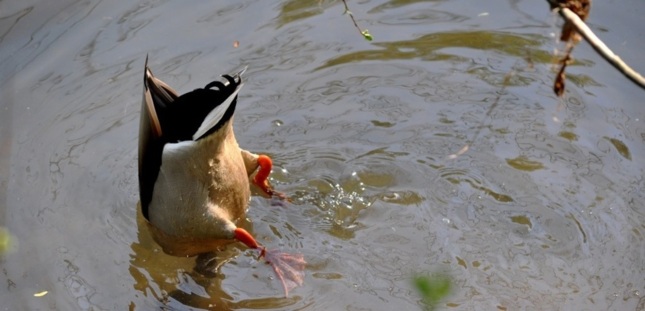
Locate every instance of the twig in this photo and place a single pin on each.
(364, 33)
(599, 46)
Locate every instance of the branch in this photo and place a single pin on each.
(366, 34)
(599, 46)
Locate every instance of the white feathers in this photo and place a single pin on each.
(179, 149)
(216, 114)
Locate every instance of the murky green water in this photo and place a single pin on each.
(543, 212)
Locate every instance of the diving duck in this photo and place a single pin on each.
(194, 179)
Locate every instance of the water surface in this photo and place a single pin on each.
(543, 212)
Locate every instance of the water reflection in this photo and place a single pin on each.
(173, 282)
(294, 10)
(431, 47)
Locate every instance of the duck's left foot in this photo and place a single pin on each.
(262, 178)
(289, 268)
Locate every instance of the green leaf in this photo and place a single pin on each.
(432, 288)
(366, 34)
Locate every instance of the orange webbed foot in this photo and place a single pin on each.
(289, 268)
(262, 178)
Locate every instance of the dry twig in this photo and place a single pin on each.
(568, 10)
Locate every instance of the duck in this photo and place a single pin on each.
(194, 179)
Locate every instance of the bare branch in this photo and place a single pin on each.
(598, 45)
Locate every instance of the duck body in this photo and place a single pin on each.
(194, 179)
(193, 176)
(200, 190)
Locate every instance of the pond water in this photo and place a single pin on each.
(544, 211)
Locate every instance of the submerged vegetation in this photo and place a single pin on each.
(432, 288)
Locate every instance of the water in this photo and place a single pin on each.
(543, 212)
